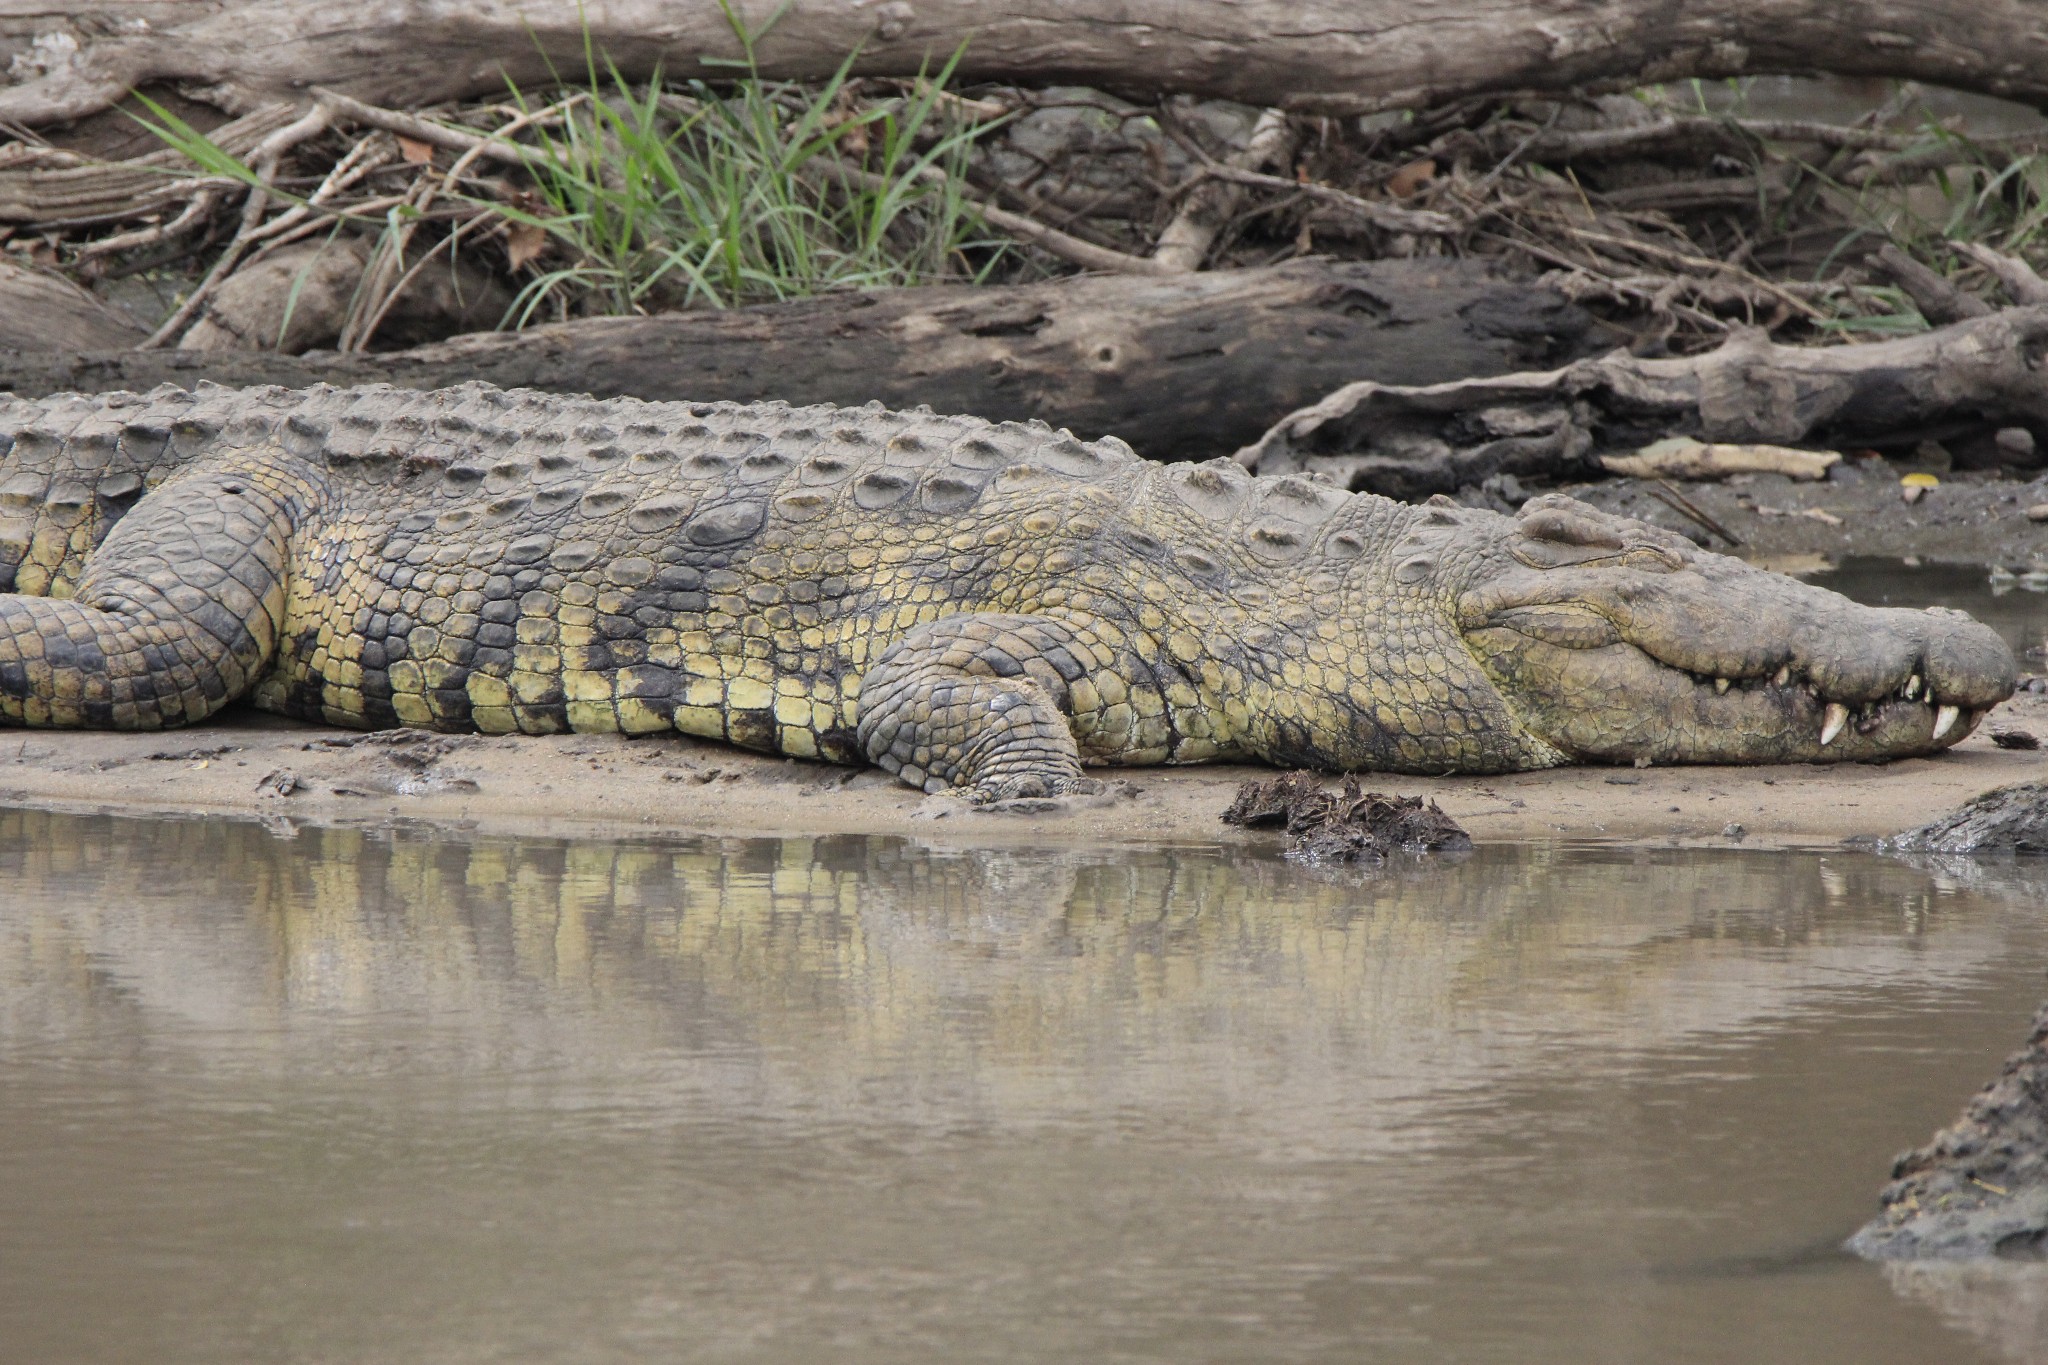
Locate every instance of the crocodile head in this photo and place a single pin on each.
(1611, 640)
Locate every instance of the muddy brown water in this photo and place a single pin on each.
(413, 1095)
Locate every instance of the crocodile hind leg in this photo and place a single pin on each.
(976, 702)
(177, 613)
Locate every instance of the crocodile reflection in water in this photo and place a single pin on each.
(838, 958)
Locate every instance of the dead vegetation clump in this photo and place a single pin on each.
(1699, 235)
(1673, 213)
(1346, 826)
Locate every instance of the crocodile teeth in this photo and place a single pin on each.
(1945, 720)
(1830, 726)
(1913, 687)
(1784, 675)
(1720, 686)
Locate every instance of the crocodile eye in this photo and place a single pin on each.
(1563, 526)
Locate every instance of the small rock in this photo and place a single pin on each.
(2012, 737)
(1733, 831)
(2038, 512)
(1912, 493)
(2015, 443)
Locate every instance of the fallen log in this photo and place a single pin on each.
(1186, 366)
(1333, 56)
(1410, 441)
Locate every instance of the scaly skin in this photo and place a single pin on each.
(969, 605)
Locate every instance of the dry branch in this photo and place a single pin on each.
(1065, 245)
(1327, 55)
(424, 130)
(1410, 441)
(1938, 300)
(2019, 278)
(1697, 138)
(1184, 242)
(263, 160)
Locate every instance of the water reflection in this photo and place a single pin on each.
(2016, 606)
(403, 1095)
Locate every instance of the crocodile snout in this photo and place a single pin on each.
(1613, 647)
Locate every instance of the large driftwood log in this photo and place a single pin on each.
(1413, 440)
(1331, 55)
(1190, 366)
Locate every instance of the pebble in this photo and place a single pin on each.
(2038, 512)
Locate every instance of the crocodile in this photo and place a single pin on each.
(973, 606)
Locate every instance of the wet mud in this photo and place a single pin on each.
(1980, 1186)
(2007, 820)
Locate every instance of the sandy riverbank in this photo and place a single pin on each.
(254, 765)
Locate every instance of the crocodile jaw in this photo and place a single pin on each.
(1617, 642)
(1618, 704)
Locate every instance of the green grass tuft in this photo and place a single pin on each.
(746, 192)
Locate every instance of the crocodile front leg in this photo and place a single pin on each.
(176, 615)
(978, 702)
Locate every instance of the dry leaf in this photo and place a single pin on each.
(414, 151)
(523, 242)
(852, 136)
(1411, 177)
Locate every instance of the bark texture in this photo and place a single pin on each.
(1410, 441)
(1187, 367)
(39, 309)
(1333, 55)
